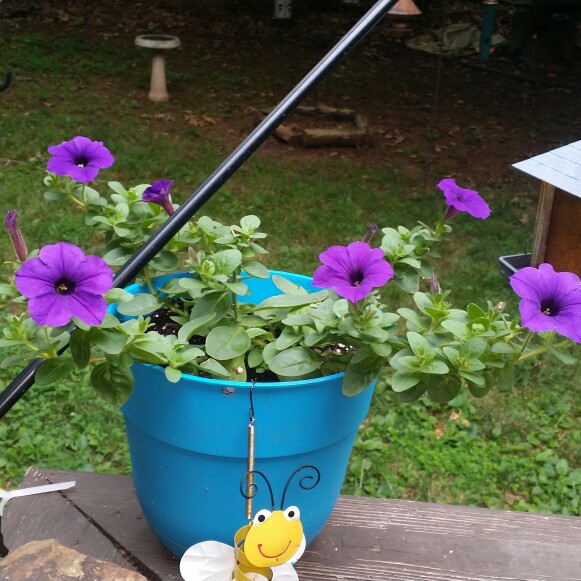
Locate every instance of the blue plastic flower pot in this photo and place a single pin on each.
(188, 445)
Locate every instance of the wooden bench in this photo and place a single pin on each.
(366, 539)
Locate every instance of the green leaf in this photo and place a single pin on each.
(502, 347)
(108, 340)
(286, 286)
(227, 261)
(255, 269)
(443, 389)
(404, 380)
(294, 362)
(238, 288)
(215, 368)
(216, 303)
(286, 339)
(141, 304)
(118, 295)
(473, 348)
(52, 370)
(164, 261)
(406, 277)
(225, 343)
(80, 345)
(412, 394)
(411, 316)
(475, 312)
(474, 378)
(291, 301)
(477, 391)
(190, 328)
(172, 375)
(118, 188)
(435, 368)
(269, 353)
(53, 196)
(562, 356)
(457, 329)
(381, 349)
(250, 223)
(15, 360)
(255, 357)
(113, 383)
(117, 256)
(418, 343)
(361, 371)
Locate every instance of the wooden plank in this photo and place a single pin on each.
(52, 516)
(365, 539)
(563, 249)
(542, 223)
(109, 501)
(378, 540)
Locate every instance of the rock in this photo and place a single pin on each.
(49, 561)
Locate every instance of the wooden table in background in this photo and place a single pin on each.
(365, 539)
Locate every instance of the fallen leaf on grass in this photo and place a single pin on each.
(198, 120)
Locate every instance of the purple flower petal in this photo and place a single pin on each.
(158, 193)
(80, 159)
(352, 271)
(550, 300)
(463, 200)
(62, 283)
(11, 225)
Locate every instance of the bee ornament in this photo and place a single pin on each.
(265, 549)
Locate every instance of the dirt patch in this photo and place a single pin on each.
(428, 114)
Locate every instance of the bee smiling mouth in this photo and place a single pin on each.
(272, 556)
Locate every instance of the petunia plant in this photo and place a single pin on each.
(205, 321)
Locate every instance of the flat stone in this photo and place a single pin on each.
(48, 560)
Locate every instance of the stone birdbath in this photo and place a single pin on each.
(159, 43)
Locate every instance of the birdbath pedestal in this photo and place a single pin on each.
(159, 43)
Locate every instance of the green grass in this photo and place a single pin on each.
(517, 448)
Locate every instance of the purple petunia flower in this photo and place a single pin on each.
(11, 225)
(352, 271)
(80, 159)
(463, 200)
(62, 283)
(550, 300)
(158, 193)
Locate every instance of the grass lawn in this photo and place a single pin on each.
(518, 448)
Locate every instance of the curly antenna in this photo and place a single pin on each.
(305, 486)
(249, 489)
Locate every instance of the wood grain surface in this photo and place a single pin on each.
(365, 539)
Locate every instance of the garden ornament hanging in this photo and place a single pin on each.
(265, 548)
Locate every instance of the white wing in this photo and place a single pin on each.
(208, 561)
(284, 572)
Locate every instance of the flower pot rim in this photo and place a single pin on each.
(213, 381)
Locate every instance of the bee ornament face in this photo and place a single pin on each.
(264, 549)
(273, 537)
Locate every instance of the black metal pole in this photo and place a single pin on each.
(18, 387)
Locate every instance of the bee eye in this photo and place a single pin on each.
(261, 516)
(292, 513)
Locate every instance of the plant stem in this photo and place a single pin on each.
(234, 279)
(540, 350)
(525, 345)
(147, 280)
